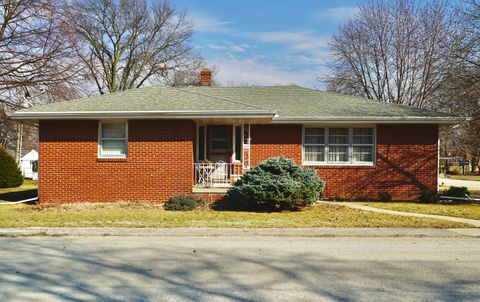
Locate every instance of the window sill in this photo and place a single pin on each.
(339, 166)
(111, 159)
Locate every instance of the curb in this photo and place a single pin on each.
(238, 232)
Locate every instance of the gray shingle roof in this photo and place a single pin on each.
(285, 102)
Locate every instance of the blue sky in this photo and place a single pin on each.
(266, 42)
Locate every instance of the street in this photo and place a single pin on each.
(249, 268)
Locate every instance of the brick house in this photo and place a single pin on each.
(154, 142)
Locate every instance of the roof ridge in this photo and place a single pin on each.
(223, 99)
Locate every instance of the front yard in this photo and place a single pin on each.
(145, 214)
(153, 215)
(471, 211)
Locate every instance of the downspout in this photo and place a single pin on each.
(20, 201)
(468, 198)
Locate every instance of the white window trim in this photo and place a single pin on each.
(350, 146)
(99, 149)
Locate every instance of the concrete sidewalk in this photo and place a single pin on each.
(241, 232)
(473, 222)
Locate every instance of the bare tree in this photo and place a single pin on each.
(461, 92)
(126, 43)
(395, 51)
(35, 54)
(34, 48)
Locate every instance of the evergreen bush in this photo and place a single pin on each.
(10, 174)
(277, 183)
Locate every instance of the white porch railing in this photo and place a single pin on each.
(220, 174)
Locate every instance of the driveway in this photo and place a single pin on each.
(248, 268)
(470, 184)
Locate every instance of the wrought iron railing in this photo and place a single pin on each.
(218, 174)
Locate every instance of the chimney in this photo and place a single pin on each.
(205, 77)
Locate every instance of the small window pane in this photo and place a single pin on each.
(223, 134)
(314, 153)
(363, 136)
(219, 144)
(338, 136)
(362, 154)
(113, 143)
(338, 154)
(315, 136)
(113, 126)
(113, 134)
(114, 151)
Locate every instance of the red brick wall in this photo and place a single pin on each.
(159, 163)
(161, 157)
(406, 161)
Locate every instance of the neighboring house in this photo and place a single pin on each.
(27, 163)
(155, 142)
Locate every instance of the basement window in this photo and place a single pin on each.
(112, 139)
(338, 146)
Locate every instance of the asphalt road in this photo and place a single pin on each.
(239, 269)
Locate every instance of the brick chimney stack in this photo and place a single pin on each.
(205, 77)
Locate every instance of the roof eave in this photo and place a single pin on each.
(369, 119)
(219, 114)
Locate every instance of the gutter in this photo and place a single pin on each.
(368, 119)
(186, 114)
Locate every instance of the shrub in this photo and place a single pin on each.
(277, 183)
(457, 192)
(10, 175)
(183, 203)
(429, 196)
(384, 197)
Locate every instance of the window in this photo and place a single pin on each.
(338, 145)
(314, 145)
(113, 139)
(362, 145)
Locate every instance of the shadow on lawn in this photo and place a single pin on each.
(20, 195)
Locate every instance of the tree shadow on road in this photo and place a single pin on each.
(78, 270)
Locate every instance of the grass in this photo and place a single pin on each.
(145, 214)
(120, 214)
(27, 190)
(455, 210)
(463, 177)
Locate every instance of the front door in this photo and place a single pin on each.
(219, 147)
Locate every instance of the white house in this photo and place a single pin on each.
(26, 165)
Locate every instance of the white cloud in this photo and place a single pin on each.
(230, 46)
(298, 40)
(339, 13)
(206, 23)
(251, 71)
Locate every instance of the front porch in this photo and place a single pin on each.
(222, 155)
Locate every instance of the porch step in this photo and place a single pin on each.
(210, 190)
